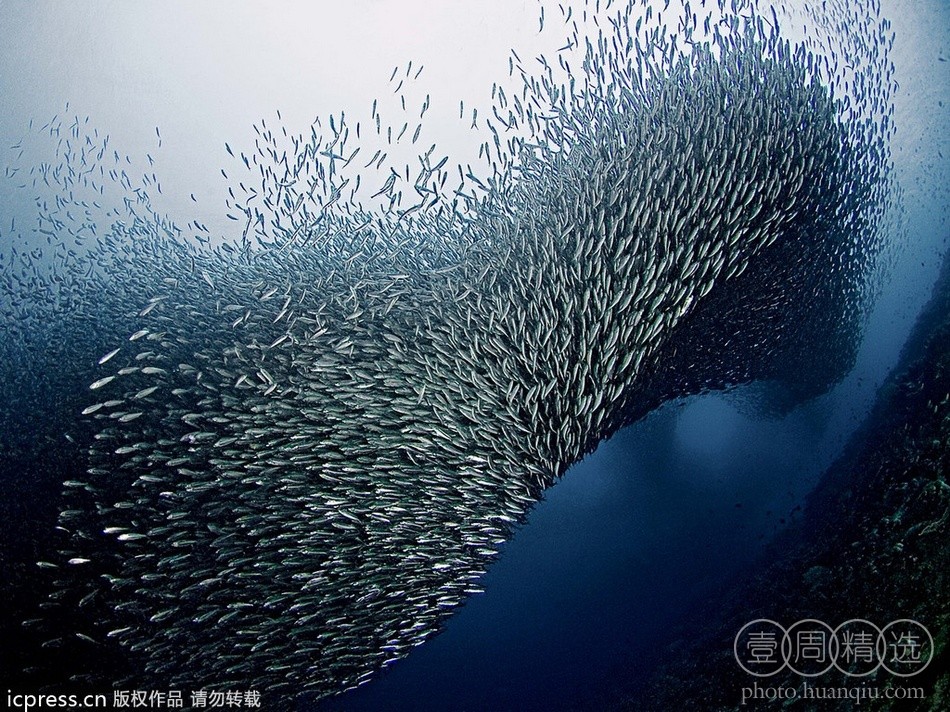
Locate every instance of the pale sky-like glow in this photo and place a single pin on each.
(205, 72)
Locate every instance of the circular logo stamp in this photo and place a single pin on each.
(810, 647)
(758, 647)
(906, 647)
(858, 647)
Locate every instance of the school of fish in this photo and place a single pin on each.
(302, 446)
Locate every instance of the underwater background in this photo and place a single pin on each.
(625, 584)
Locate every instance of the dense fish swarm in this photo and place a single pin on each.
(302, 447)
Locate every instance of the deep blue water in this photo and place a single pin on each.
(590, 588)
(586, 593)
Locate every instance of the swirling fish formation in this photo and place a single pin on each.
(303, 450)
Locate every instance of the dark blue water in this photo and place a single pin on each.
(586, 593)
(590, 588)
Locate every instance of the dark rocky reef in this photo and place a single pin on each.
(873, 543)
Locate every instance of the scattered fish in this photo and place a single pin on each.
(340, 412)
